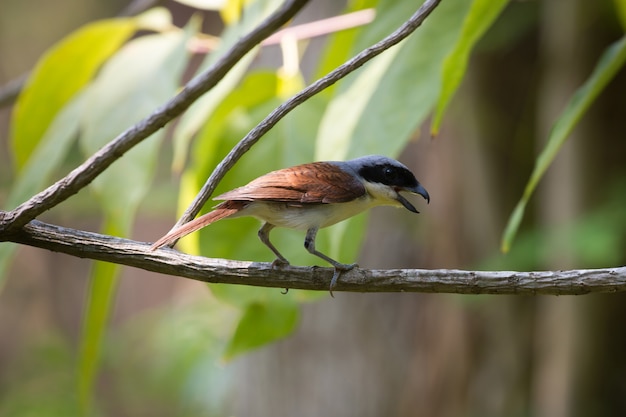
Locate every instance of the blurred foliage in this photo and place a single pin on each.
(609, 65)
(595, 240)
(376, 110)
(49, 88)
(42, 371)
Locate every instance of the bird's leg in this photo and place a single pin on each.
(264, 235)
(309, 244)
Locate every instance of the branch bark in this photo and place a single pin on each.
(220, 271)
(101, 160)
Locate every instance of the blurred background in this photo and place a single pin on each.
(366, 354)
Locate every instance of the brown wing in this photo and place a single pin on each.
(314, 183)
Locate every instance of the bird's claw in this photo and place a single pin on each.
(279, 263)
(339, 268)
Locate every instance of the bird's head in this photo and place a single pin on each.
(384, 178)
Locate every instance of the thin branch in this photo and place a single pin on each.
(281, 111)
(323, 26)
(171, 262)
(206, 44)
(101, 160)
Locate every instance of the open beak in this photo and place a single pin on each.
(414, 190)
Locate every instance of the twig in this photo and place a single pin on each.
(171, 262)
(101, 160)
(323, 26)
(281, 111)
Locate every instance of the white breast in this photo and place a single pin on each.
(306, 216)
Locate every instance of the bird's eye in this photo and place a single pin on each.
(390, 173)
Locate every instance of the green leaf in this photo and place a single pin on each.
(378, 109)
(49, 153)
(139, 78)
(610, 63)
(200, 111)
(60, 74)
(44, 160)
(101, 293)
(339, 44)
(620, 6)
(262, 323)
(480, 17)
(197, 114)
(218, 136)
(237, 239)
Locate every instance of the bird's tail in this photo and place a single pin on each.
(221, 211)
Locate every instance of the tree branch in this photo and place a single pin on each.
(101, 160)
(136, 254)
(281, 111)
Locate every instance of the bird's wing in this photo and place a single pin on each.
(313, 183)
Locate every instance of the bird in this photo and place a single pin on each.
(309, 197)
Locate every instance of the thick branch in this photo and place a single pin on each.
(281, 111)
(136, 254)
(101, 160)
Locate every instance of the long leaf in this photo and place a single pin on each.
(202, 109)
(54, 81)
(610, 63)
(480, 17)
(140, 77)
(103, 282)
(262, 323)
(144, 74)
(377, 110)
(44, 160)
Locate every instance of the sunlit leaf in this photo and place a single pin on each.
(232, 10)
(379, 108)
(480, 17)
(215, 140)
(197, 114)
(48, 155)
(193, 118)
(157, 19)
(141, 77)
(339, 44)
(42, 163)
(610, 63)
(346, 110)
(262, 323)
(54, 81)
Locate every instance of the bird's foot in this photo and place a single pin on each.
(280, 263)
(339, 268)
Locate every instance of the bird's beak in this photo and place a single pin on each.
(414, 190)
